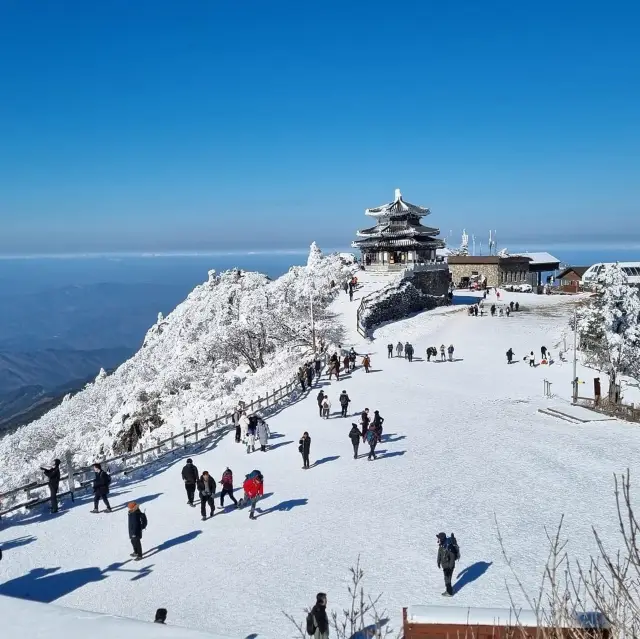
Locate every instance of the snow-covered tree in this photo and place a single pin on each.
(609, 327)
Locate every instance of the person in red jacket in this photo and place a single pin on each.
(253, 490)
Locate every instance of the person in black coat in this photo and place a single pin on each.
(137, 523)
(354, 436)
(101, 483)
(377, 424)
(320, 618)
(190, 477)
(319, 399)
(206, 490)
(53, 481)
(364, 422)
(344, 403)
(305, 448)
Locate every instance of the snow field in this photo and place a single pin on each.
(465, 442)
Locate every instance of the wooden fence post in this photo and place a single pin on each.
(195, 430)
(70, 481)
(173, 443)
(184, 436)
(141, 455)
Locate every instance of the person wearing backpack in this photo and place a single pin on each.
(319, 399)
(448, 554)
(101, 483)
(450, 352)
(190, 478)
(354, 436)
(207, 491)
(510, 355)
(317, 619)
(53, 482)
(137, 523)
(253, 490)
(372, 440)
(344, 403)
(227, 487)
(377, 422)
(389, 350)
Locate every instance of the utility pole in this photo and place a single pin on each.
(575, 356)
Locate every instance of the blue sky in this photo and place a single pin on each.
(154, 125)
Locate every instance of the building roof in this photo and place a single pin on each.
(487, 259)
(542, 259)
(578, 270)
(394, 243)
(397, 208)
(386, 230)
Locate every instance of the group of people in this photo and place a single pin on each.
(446, 352)
(478, 309)
(370, 432)
(349, 286)
(407, 349)
(250, 428)
(545, 357)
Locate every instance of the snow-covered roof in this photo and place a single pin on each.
(490, 617)
(538, 259)
(398, 207)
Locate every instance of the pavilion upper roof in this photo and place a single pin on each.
(397, 207)
(388, 230)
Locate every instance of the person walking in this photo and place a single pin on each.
(372, 440)
(407, 346)
(366, 363)
(493, 310)
(517, 306)
(317, 619)
(450, 352)
(532, 360)
(304, 447)
(236, 420)
(364, 422)
(308, 369)
(227, 487)
(251, 434)
(253, 489)
(352, 359)
(302, 378)
(318, 365)
(399, 349)
(190, 477)
(207, 491)
(346, 363)
(344, 403)
(350, 293)
(161, 616)
(319, 399)
(137, 523)
(448, 554)
(326, 407)
(355, 436)
(543, 352)
(443, 357)
(263, 434)
(389, 350)
(53, 482)
(408, 349)
(510, 355)
(377, 422)
(101, 483)
(244, 427)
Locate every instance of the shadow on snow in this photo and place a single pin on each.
(283, 506)
(470, 574)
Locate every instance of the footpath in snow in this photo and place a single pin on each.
(463, 443)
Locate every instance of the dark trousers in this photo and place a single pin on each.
(343, 411)
(225, 492)
(302, 385)
(372, 450)
(320, 409)
(96, 501)
(356, 445)
(448, 573)
(191, 491)
(532, 362)
(390, 353)
(53, 494)
(238, 433)
(137, 546)
(208, 499)
(253, 501)
(305, 461)
(410, 357)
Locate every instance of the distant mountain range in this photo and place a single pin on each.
(33, 383)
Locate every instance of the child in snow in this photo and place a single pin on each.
(251, 434)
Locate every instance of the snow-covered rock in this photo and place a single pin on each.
(236, 336)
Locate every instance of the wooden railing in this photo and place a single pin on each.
(79, 479)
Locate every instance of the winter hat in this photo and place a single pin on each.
(442, 537)
(56, 462)
(189, 461)
(132, 506)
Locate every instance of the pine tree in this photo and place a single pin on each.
(609, 327)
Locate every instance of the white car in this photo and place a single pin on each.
(524, 288)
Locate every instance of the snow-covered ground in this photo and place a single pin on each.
(464, 442)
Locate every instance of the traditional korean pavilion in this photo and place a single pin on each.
(398, 239)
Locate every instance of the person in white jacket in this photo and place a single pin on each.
(326, 407)
(244, 425)
(263, 434)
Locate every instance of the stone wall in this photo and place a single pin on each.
(421, 292)
(490, 271)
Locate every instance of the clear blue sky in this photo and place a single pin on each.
(153, 125)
